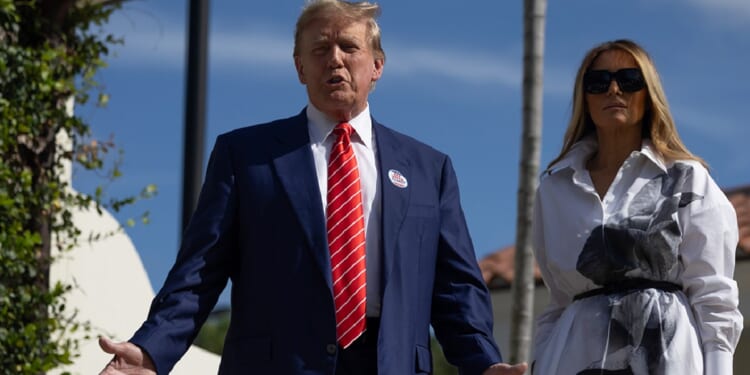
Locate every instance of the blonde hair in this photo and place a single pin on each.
(658, 124)
(353, 11)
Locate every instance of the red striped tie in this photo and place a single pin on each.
(346, 238)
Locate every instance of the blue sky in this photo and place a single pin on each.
(452, 79)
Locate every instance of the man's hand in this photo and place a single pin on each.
(506, 369)
(129, 359)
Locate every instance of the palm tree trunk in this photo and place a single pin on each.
(523, 284)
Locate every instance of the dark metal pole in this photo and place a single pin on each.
(195, 107)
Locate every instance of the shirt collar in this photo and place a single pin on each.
(576, 156)
(320, 126)
(649, 151)
(582, 150)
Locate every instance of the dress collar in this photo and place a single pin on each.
(582, 150)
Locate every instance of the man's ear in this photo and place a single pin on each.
(300, 70)
(377, 69)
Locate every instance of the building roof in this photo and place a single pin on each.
(498, 267)
(740, 198)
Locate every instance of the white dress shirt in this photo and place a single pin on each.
(659, 220)
(320, 128)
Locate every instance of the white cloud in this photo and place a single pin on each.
(145, 49)
(454, 64)
(167, 47)
(148, 41)
(471, 68)
(730, 12)
(157, 44)
(712, 125)
(737, 7)
(719, 128)
(250, 48)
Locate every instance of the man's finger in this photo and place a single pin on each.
(520, 368)
(107, 345)
(120, 349)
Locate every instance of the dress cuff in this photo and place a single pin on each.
(717, 362)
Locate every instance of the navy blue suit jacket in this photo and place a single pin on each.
(260, 222)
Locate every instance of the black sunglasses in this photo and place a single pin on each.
(628, 80)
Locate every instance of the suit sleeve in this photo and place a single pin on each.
(201, 270)
(461, 308)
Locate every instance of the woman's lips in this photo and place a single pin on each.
(615, 105)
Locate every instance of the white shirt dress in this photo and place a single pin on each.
(641, 281)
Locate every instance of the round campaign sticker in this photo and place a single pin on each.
(397, 179)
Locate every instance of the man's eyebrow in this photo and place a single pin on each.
(321, 38)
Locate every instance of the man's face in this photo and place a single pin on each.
(337, 64)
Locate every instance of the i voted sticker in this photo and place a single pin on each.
(397, 179)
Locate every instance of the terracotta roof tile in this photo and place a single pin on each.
(740, 198)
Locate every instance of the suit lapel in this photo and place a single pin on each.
(296, 170)
(395, 199)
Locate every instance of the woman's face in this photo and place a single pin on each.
(615, 110)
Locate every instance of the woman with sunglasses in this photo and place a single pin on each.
(634, 239)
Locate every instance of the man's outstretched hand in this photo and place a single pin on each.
(128, 359)
(506, 369)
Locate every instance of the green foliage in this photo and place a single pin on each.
(50, 51)
(440, 365)
(212, 334)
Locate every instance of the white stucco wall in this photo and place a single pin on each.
(111, 291)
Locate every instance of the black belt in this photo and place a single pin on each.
(631, 285)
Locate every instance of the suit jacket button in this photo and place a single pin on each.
(331, 349)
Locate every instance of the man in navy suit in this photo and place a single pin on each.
(261, 222)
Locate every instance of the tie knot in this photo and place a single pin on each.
(343, 129)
